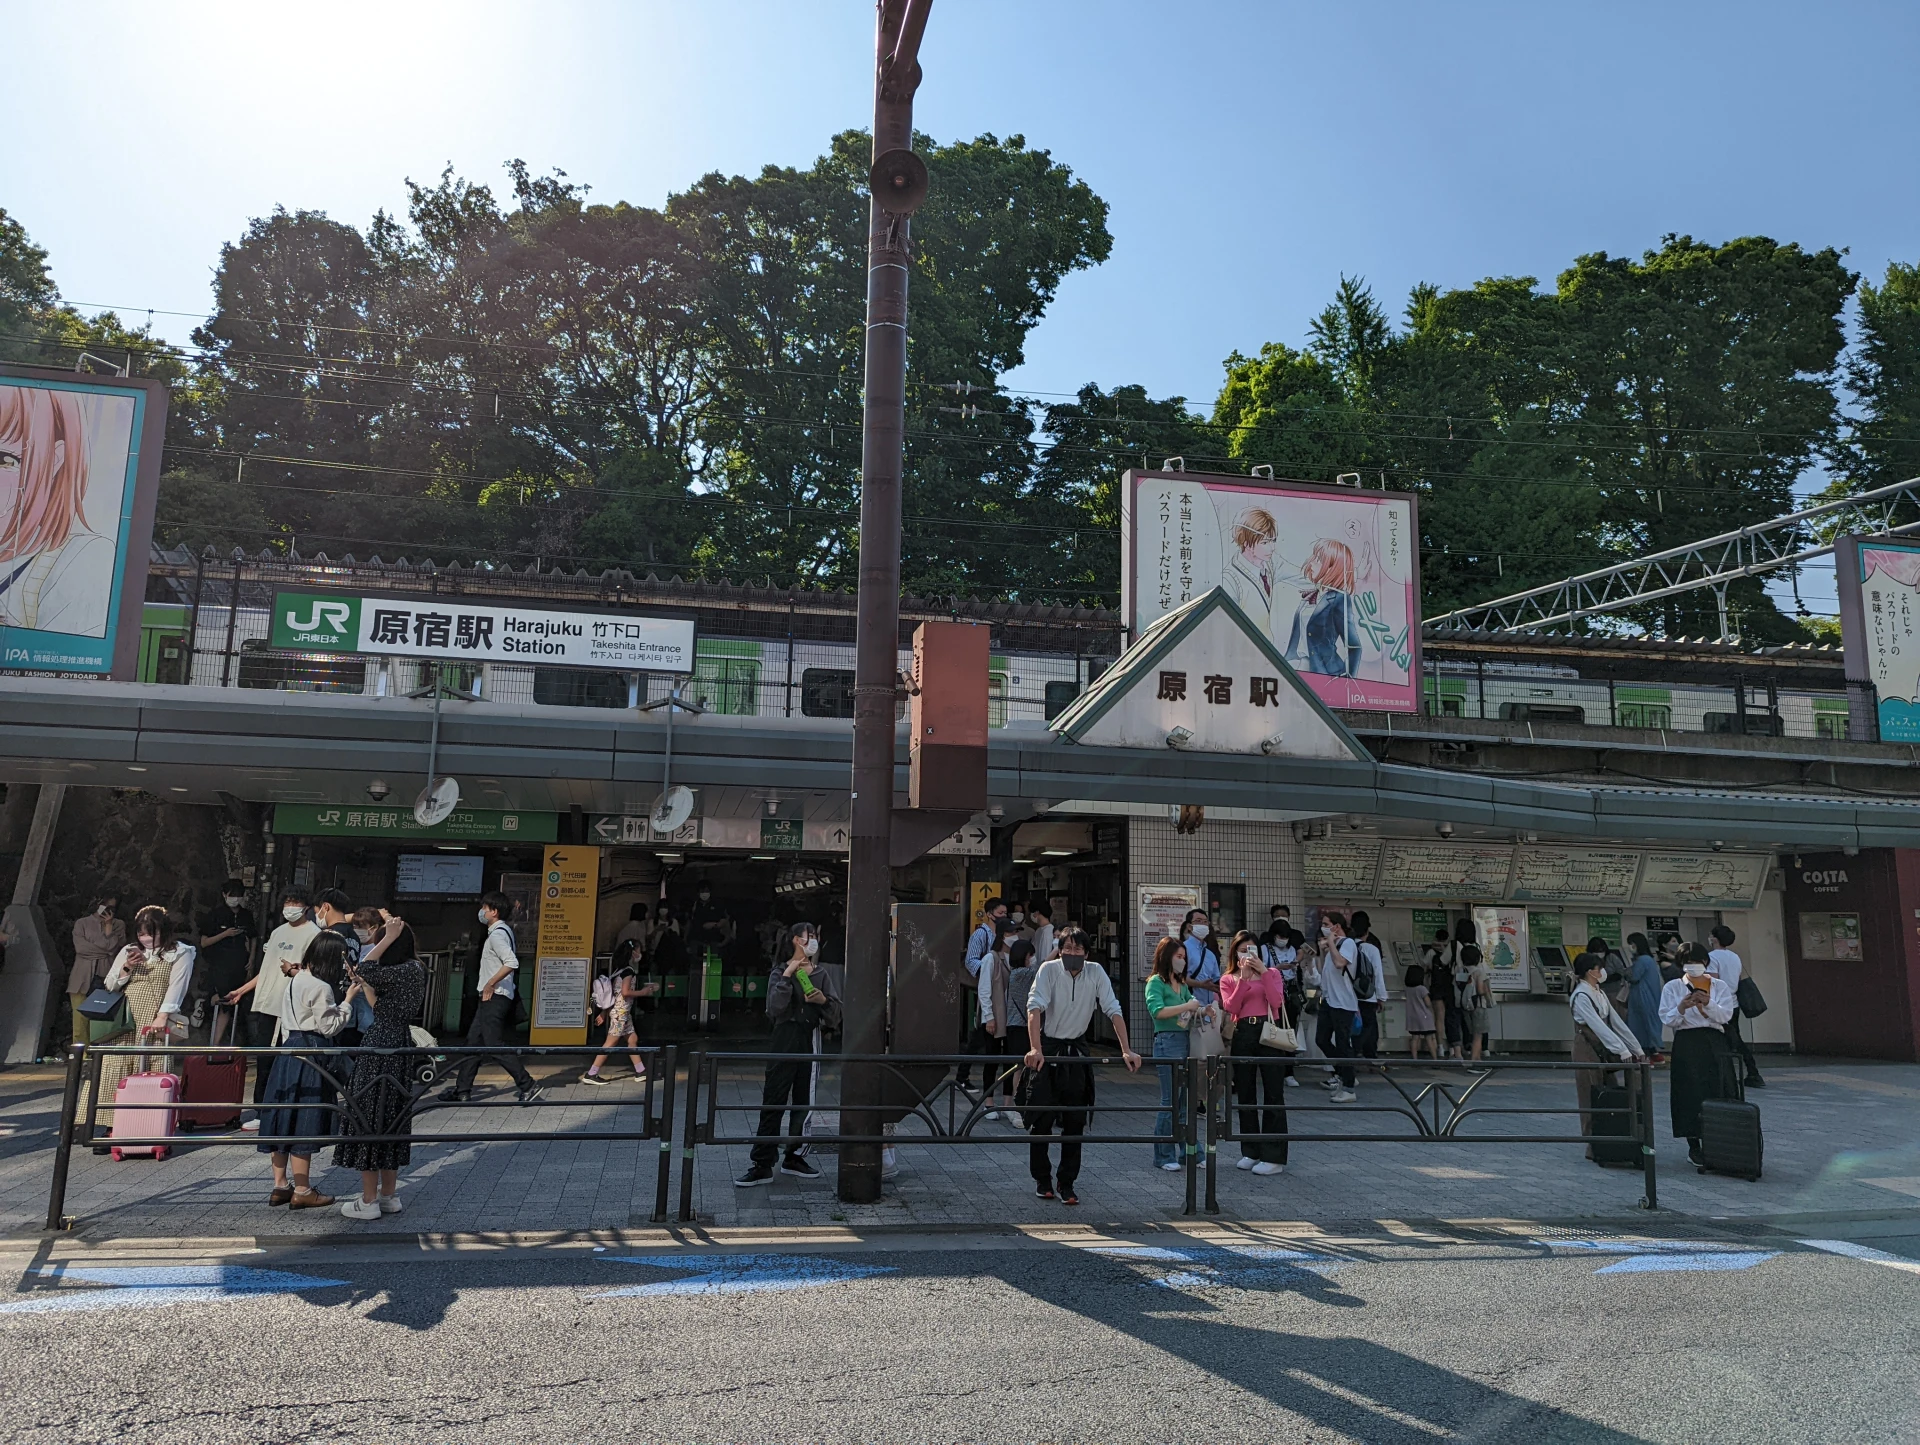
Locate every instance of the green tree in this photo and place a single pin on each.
(1882, 444)
(26, 285)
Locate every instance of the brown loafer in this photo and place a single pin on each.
(280, 1195)
(312, 1199)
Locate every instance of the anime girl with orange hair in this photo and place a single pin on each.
(1326, 629)
(56, 571)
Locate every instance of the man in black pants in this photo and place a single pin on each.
(497, 979)
(800, 998)
(1060, 1008)
(1369, 983)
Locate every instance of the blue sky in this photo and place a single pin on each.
(1252, 152)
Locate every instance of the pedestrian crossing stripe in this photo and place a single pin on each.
(741, 1273)
(154, 1286)
(1861, 1252)
(1662, 1256)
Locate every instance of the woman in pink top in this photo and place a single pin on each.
(1251, 993)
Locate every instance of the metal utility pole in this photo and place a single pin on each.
(899, 184)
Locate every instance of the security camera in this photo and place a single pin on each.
(1718, 845)
(1179, 737)
(773, 806)
(1445, 830)
(996, 812)
(378, 790)
(1271, 745)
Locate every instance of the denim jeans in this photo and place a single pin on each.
(1170, 1044)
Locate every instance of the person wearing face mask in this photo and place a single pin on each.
(1600, 1035)
(1697, 1006)
(97, 941)
(1254, 994)
(155, 971)
(996, 980)
(1171, 1006)
(979, 944)
(498, 982)
(1339, 1022)
(801, 997)
(1203, 977)
(1643, 996)
(1060, 1008)
(281, 956)
(1040, 928)
(227, 934)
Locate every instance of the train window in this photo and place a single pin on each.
(1549, 712)
(996, 699)
(1644, 715)
(579, 687)
(299, 671)
(1828, 724)
(1059, 696)
(727, 685)
(1758, 724)
(826, 692)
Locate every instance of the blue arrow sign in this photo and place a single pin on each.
(1662, 1256)
(742, 1273)
(153, 1286)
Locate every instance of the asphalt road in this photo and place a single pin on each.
(1405, 1334)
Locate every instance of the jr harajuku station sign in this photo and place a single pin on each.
(476, 632)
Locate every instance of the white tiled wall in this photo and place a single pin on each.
(1262, 857)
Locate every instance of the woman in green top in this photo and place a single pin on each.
(1171, 1006)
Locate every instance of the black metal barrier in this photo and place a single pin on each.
(427, 1070)
(1447, 1102)
(1435, 1108)
(963, 1111)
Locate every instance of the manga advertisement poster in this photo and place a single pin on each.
(79, 464)
(1332, 574)
(1879, 588)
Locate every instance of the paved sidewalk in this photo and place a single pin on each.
(1841, 1137)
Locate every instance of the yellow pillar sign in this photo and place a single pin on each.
(563, 954)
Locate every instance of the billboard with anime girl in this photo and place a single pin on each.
(79, 464)
(1331, 574)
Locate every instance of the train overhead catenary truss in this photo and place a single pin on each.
(1713, 562)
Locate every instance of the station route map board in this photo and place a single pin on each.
(1444, 870)
(1703, 880)
(1341, 869)
(1573, 875)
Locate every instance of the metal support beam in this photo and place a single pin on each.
(26, 983)
(1714, 562)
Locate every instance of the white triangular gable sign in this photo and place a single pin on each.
(1204, 679)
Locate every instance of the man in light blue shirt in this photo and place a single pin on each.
(979, 945)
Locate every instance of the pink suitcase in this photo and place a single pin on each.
(144, 1123)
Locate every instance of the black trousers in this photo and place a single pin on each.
(1336, 1038)
(787, 1082)
(260, 1031)
(491, 1022)
(980, 1040)
(1262, 1070)
(1742, 1050)
(1062, 1097)
(1367, 1046)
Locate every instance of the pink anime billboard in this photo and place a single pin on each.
(79, 461)
(1331, 574)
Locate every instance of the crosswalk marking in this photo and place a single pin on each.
(152, 1286)
(741, 1274)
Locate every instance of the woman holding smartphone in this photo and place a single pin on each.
(1696, 1006)
(379, 1100)
(154, 970)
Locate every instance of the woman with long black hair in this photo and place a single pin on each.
(299, 1096)
(379, 1098)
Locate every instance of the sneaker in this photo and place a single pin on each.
(759, 1174)
(1067, 1196)
(452, 1096)
(1292, 1083)
(595, 1080)
(1342, 1096)
(1012, 1116)
(1246, 1162)
(390, 1204)
(794, 1165)
(1267, 1166)
(1043, 1191)
(1756, 1082)
(360, 1209)
(993, 1113)
(1332, 1081)
(252, 1126)
(528, 1094)
(1172, 1167)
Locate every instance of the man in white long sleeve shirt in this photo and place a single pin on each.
(1060, 1009)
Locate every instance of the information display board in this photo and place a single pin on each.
(563, 956)
(1573, 875)
(1830, 936)
(438, 875)
(1502, 935)
(1444, 870)
(1339, 868)
(1703, 880)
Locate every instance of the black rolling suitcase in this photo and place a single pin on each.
(1730, 1137)
(1620, 1153)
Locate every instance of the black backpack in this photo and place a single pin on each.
(1365, 980)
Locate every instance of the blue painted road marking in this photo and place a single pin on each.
(1662, 1256)
(153, 1286)
(742, 1273)
(1862, 1252)
(1215, 1266)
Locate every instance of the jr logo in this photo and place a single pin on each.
(335, 615)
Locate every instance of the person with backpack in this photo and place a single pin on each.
(497, 983)
(1437, 959)
(1724, 964)
(980, 943)
(1339, 1004)
(801, 997)
(614, 996)
(1476, 993)
(1369, 983)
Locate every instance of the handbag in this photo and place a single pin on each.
(1278, 1037)
(1749, 997)
(104, 1004)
